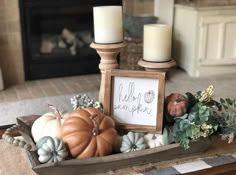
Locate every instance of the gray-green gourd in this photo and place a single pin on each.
(132, 142)
(51, 150)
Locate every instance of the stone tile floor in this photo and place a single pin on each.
(50, 87)
(177, 81)
(32, 97)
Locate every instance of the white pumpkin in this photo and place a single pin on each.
(154, 140)
(48, 124)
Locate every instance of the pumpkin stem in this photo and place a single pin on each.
(179, 98)
(56, 111)
(95, 130)
(154, 137)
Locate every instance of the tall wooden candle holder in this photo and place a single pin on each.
(108, 54)
(157, 66)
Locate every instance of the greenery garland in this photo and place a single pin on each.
(204, 117)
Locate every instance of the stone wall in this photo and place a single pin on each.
(138, 7)
(11, 59)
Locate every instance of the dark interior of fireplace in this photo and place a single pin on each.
(56, 35)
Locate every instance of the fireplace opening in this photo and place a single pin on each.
(56, 35)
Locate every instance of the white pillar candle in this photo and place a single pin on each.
(157, 42)
(108, 24)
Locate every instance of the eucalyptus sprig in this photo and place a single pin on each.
(198, 123)
(228, 102)
(205, 117)
(225, 115)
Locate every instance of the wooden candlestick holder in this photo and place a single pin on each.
(157, 66)
(108, 54)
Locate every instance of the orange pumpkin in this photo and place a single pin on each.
(89, 133)
(176, 105)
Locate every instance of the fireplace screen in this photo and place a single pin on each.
(56, 37)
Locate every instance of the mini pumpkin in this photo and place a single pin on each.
(149, 96)
(88, 132)
(132, 142)
(48, 124)
(176, 105)
(154, 140)
(51, 150)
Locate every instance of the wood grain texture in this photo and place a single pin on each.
(108, 54)
(169, 156)
(25, 124)
(157, 66)
(114, 161)
(108, 105)
(2, 130)
(120, 160)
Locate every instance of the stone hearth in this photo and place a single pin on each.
(11, 50)
(11, 59)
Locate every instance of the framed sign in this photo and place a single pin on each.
(135, 99)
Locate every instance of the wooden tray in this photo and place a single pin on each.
(111, 162)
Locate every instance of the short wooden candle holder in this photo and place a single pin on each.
(157, 66)
(108, 54)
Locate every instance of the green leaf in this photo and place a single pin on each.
(229, 101)
(203, 117)
(195, 131)
(204, 113)
(234, 102)
(180, 135)
(193, 116)
(184, 116)
(213, 130)
(199, 93)
(222, 101)
(215, 127)
(195, 108)
(185, 129)
(185, 143)
(191, 100)
(228, 130)
(183, 124)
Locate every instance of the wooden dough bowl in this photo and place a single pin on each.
(111, 162)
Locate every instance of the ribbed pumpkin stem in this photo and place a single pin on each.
(95, 130)
(154, 137)
(179, 99)
(56, 111)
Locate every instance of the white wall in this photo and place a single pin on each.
(164, 10)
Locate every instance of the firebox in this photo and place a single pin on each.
(56, 35)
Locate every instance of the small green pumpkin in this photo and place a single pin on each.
(132, 142)
(51, 150)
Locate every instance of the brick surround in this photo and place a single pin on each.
(11, 59)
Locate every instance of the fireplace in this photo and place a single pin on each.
(56, 35)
